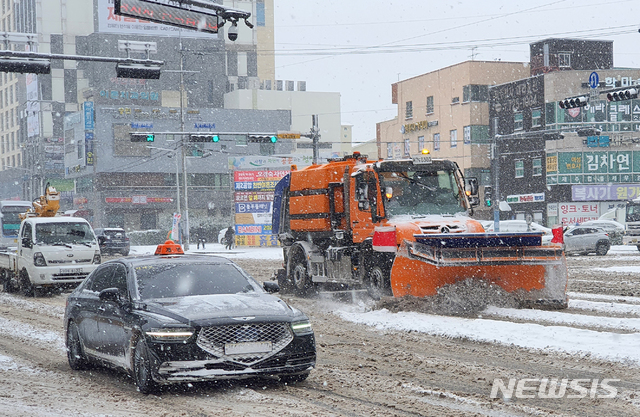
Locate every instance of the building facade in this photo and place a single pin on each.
(571, 173)
(71, 128)
(447, 112)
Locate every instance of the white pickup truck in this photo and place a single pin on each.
(52, 253)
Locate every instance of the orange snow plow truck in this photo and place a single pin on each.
(402, 227)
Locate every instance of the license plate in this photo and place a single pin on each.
(70, 271)
(421, 159)
(247, 347)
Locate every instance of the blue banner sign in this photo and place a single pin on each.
(259, 207)
(88, 115)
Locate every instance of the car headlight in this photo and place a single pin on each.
(301, 327)
(97, 258)
(38, 259)
(171, 334)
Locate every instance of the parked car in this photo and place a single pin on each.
(612, 227)
(185, 318)
(586, 239)
(113, 240)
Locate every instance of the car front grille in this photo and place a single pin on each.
(213, 339)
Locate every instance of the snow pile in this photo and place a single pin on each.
(603, 345)
(464, 298)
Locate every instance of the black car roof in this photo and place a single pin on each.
(141, 260)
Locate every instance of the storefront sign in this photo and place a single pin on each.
(572, 213)
(251, 196)
(526, 198)
(138, 199)
(605, 192)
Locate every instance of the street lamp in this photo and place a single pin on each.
(174, 151)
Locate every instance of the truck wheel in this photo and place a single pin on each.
(301, 281)
(378, 282)
(7, 283)
(602, 249)
(26, 288)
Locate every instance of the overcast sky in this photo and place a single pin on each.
(360, 47)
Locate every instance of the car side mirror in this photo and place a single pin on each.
(271, 286)
(26, 242)
(100, 240)
(110, 294)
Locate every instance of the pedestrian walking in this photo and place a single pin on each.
(228, 237)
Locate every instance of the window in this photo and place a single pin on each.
(455, 100)
(536, 117)
(420, 143)
(436, 141)
(466, 134)
(430, 107)
(267, 149)
(408, 111)
(453, 135)
(389, 150)
(475, 93)
(517, 121)
(537, 167)
(407, 147)
(519, 169)
(564, 60)
(260, 19)
(13, 141)
(79, 149)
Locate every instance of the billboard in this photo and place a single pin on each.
(253, 203)
(109, 22)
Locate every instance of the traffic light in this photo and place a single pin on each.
(148, 72)
(573, 102)
(619, 95)
(25, 66)
(262, 138)
(208, 137)
(487, 196)
(142, 137)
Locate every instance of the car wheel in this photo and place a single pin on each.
(143, 368)
(26, 288)
(302, 284)
(602, 249)
(292, 379)
(75, 351)
(378, 282)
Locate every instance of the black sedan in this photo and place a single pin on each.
(184, 318)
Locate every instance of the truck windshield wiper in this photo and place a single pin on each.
(412, 181)
(62, 244)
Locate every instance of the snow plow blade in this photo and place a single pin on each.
(518, 263)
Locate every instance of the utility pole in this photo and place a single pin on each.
(184, 154)
(315, 137)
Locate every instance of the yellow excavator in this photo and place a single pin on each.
(46, 205)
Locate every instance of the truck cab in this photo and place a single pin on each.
(54, 252)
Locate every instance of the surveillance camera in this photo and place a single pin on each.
(232, 33)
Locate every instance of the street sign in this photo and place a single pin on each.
(594, 80)
(288, 135)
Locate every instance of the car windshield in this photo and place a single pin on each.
(421, 192)
(63, 233)
(181, 280)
